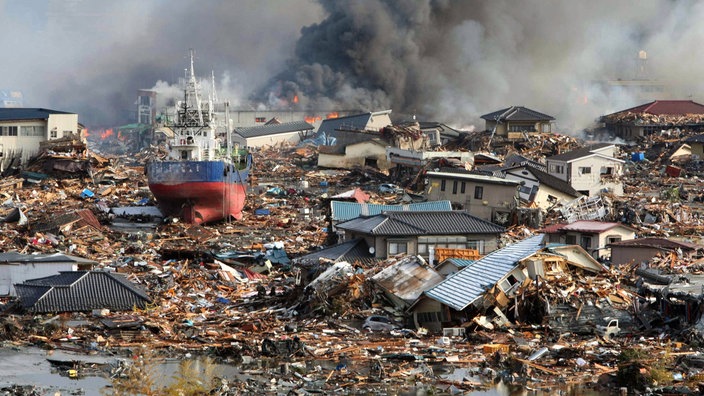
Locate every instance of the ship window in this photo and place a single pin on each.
(184, 154)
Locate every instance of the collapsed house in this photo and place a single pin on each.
(489, 285)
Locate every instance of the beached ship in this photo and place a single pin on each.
(199, 181)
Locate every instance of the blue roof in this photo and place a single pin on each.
(461, 263)
(459, 290)
(343, 211)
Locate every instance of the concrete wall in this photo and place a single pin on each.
(494, 197)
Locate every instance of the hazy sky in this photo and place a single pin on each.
(448, 61)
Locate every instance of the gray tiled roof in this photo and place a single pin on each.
(9, 113)
(343, 211)
(517, 113)
(579, 153)
(459, 290)
(274, 129)
(422, 223)
(80, 291)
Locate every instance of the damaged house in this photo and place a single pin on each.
(590, 170)
(490, 284)
(593, 236)
(641, 250)
(404, 281)
(655, 117)
(23, 130)
(540, 188)
(272, 133)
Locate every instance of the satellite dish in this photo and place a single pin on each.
(372, 250)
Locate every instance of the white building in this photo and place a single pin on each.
(590, 170)
(23, 129)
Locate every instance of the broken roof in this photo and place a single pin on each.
(549, 180)
(343, 211)
(80, 291)
(350, 122)
(462, 288)
(666, 107)
(517, 113)
(407, 279)
(590, 226)
(660, 243)
(422, 223)
(352, 251)
(274, 129)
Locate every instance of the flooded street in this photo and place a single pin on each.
(27, 370)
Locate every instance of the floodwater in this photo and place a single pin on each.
(29, 366)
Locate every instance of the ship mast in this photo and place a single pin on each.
(228, 132)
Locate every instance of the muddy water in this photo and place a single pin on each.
(29, 366)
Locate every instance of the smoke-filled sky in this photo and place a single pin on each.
(443, 60)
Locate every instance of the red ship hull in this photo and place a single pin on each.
(200, 202)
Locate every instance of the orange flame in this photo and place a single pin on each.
(106, 134)
(312, 119)
(332, 115)
(84, 132)
(295, 98)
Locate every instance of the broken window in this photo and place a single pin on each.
(585, 170)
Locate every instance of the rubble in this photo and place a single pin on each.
(234, 291)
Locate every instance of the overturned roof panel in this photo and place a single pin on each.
(461, 289)
(407, 279)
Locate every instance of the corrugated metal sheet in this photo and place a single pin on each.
(343, 211)
(407, 279)
(459, 290)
